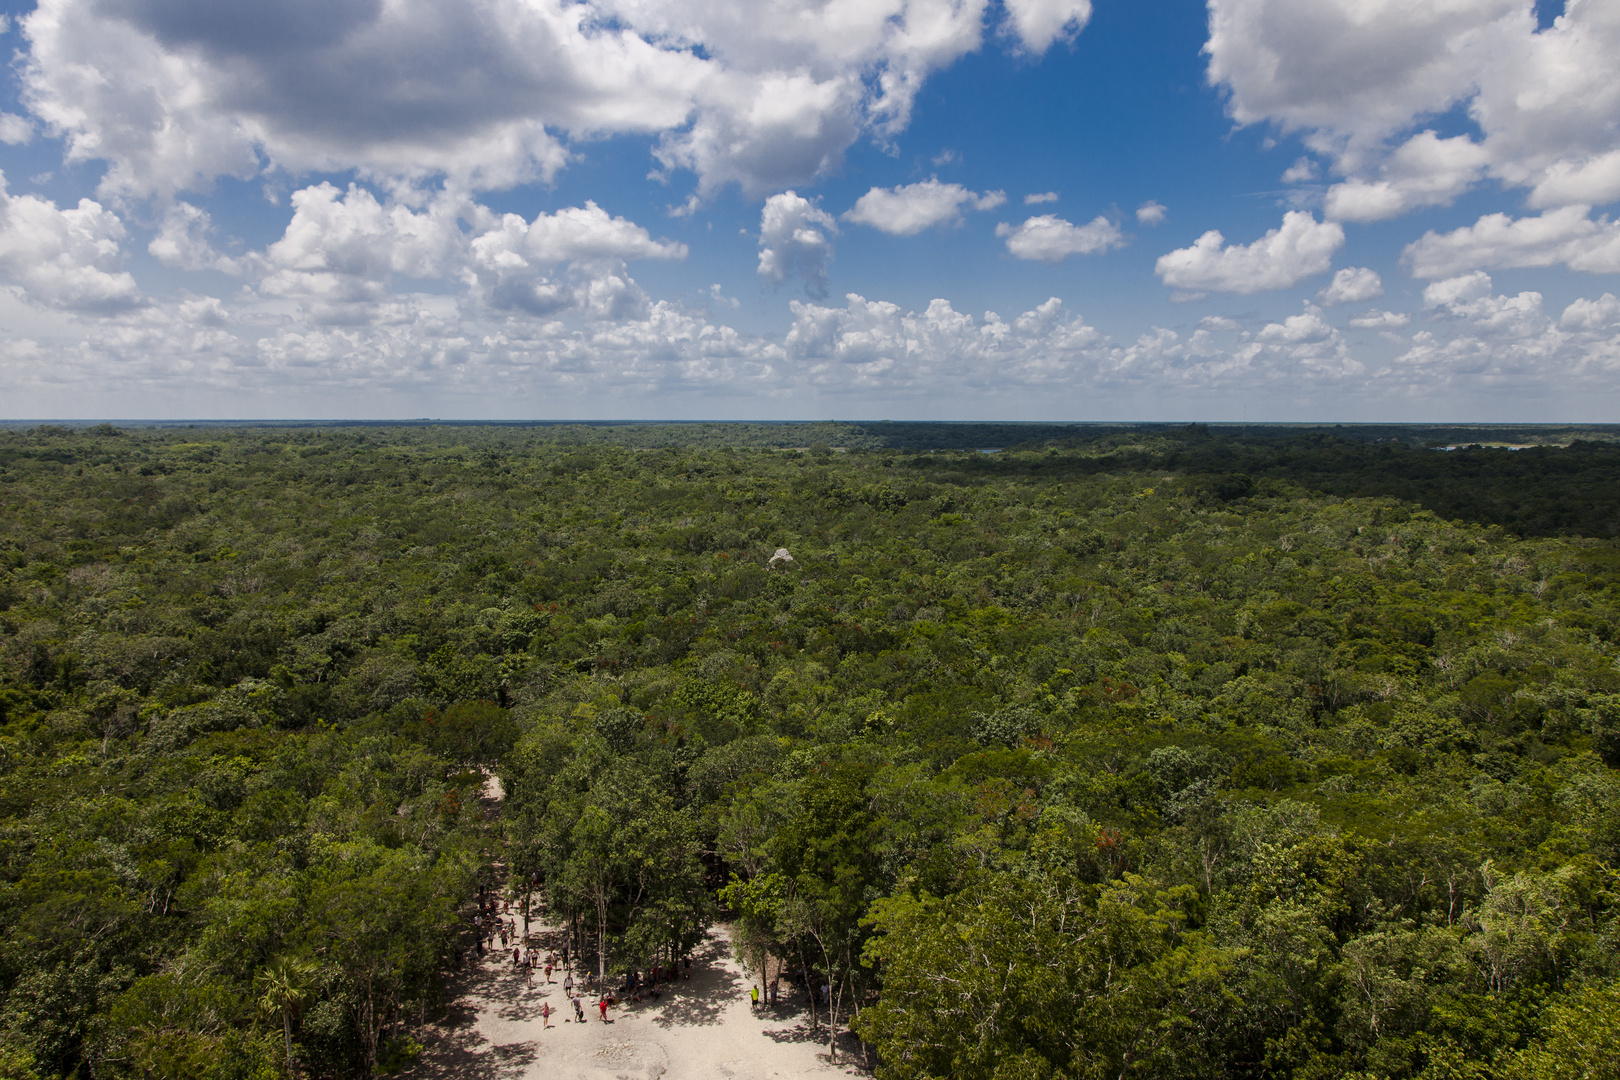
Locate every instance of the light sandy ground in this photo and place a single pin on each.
(703, 1028)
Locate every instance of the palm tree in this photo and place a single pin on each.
(284, 986)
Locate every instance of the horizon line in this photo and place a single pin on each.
(627, 422)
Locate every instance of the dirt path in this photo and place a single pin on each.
(702, 1028)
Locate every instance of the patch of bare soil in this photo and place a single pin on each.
(701, 1028)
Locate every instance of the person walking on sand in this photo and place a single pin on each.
(753, 994)
(602, 1006)
(545, 1014)
(548, 972)
(568, 984)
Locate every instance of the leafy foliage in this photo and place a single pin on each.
(1125, 752)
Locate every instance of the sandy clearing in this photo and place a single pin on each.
(701, 1029)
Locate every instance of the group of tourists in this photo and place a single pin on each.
(579, 1010)
(639, 986)
(493, 927)
(770, 995)
(527, 960)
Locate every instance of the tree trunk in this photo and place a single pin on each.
(601, 946)
(368, 1010)
(833, 994)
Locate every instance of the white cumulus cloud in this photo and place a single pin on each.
(1494, 340)
(346, 247)
(1377, 319)
(1470, 302)
(1353, 285)
(346, 255)
(1151, 213)
(1359, 79)
(203, 311)
(1301, 171)
(516, 262)
(1300, 248)
(68, 259)
(1462, 289)
(1036, 198)
(1425, 171)
(1568, 235)
(1594, 179)
(174, 93)
(1039, 23)
(1599, 314)
(1344, 70)
(1308, 327)
(184, 241)
(424, 348)
(15, 130)
(795, 237)
(911, 208)
(589, 232)
(1049, 238)
(874, 343)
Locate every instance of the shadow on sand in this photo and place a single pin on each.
(453, 1047)
(798, 1033)
(463, 1054)
(700, 1000)
(851, 1054)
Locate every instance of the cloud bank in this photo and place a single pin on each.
(490, 93)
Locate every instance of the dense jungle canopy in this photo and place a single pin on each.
(1118, 752)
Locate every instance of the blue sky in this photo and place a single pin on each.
(918, 209)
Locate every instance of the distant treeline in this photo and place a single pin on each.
(1564, 483)
(873, 434)
(1545, 490)
(1562, 480)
